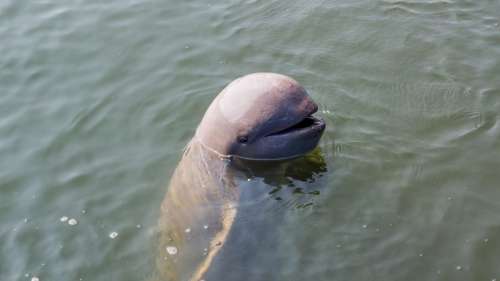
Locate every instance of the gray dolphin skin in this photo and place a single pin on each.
(258, 117)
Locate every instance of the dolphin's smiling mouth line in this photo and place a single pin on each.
(308, 124)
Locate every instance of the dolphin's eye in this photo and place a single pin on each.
(242, 139)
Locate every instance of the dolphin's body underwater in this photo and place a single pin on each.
(262, 117)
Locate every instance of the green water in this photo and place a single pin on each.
(98, 99)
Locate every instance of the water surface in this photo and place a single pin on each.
(98, 99)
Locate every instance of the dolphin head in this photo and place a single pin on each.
(261, 116)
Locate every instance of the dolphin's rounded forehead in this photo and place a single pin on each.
(258, 91)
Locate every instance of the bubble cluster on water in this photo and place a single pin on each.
(70, 221)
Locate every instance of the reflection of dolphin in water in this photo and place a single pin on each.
(261, 116)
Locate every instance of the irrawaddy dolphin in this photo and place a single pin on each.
(258, 117)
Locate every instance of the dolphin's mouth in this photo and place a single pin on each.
(308, 124)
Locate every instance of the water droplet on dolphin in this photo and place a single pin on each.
(171, 250)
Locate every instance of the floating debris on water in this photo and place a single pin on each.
(113, 235)
(72, 222)
(187, 230)
(171, 250)
(64, 219)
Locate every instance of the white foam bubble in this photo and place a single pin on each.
(113, 235)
